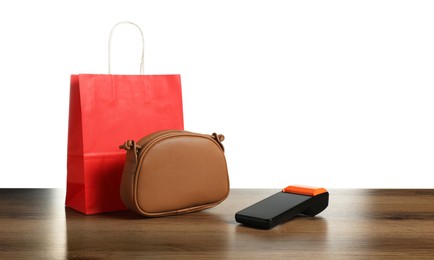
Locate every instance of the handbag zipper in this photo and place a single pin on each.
(147, 139)
(142, 143)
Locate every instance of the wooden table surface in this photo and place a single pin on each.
(358, 224)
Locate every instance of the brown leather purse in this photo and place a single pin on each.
(174, 172)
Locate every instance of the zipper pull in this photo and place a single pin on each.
(132, 150)
(219, 138)
(129, 144)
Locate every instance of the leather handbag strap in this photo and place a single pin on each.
(131, 160)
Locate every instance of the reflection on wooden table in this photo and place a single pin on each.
(357, 224)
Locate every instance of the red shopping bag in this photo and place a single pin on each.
(104, 111)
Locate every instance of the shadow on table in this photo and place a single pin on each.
(127, 234)
(299, 232)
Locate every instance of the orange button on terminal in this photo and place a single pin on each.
(304, 190)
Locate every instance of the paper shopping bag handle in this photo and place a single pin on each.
(143, 45)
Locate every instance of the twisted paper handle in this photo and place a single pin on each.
(143, 45)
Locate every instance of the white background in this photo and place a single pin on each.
(328, 93)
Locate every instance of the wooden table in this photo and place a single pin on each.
(358, 224)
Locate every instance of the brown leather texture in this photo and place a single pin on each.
(174, 172)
